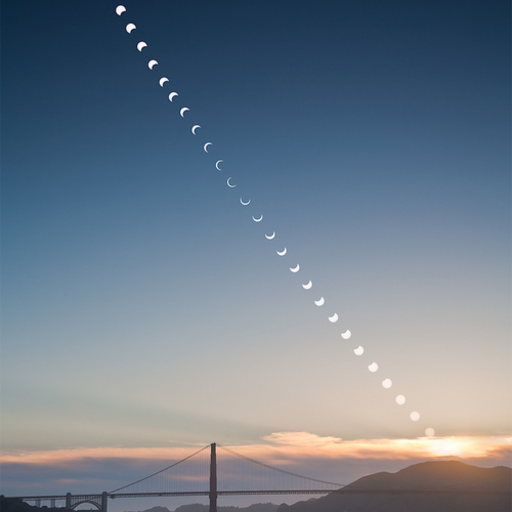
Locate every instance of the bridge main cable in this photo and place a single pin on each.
(232, 452)
(161, 471)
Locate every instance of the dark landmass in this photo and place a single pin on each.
(444, 486)
(13, 505)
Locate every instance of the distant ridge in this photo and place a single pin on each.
(437, 486)
(259, 507)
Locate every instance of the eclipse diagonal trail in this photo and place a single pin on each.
(334, 317)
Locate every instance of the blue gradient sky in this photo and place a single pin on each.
(141, 304)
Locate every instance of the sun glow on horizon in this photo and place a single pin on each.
(287, 448)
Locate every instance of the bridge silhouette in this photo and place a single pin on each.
(203, 473)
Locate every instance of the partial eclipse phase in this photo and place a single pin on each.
(283, 252)
(120, 9)
(141, 46)
(206, 146)
(386, 383)
(295, 269)
(194, 128)
(320, 301)
(130, 27)
(162, 81)
(373, 367)
(229, 184)
(308, 285)
(183, 110)
(172, 95)
(217, 165)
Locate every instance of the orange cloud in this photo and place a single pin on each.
(287, 447)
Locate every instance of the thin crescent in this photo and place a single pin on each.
(346, 335)
(217, 165)
(334, 318)
(320, 301)
(205, 147)
(173, 95)
(141, 45)
(259, 219)
(195, 127)
(130, 27)
(246, 203)
(271, 237)
(229, 184)
(163, 80)
(120, 9)
(295, 269)
(183, 110)
(283, 252)
(308, 285)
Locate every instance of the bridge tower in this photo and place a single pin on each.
(213, 478)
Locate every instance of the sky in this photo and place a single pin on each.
(144, 311)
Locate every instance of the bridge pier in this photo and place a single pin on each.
(213, 478)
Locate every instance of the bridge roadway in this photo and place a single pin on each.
(89, 498)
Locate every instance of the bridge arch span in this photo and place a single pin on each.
(75, 506)
(96, 500)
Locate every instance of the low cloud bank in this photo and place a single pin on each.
(324, 457)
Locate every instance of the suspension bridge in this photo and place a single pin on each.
(207, 472)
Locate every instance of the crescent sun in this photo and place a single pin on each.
(346, 335)
(217, 165)
(152, 63)
(120, 9)
(334, 318)
(205, 147)
(183, 110)
(194, 128)
(283, 252)
(308, 285)
(141, 45)
(295, 269)
(130, 27)
(271, 237)
(259, 219)
(173, 95)
(163, 80)
(229, 183)
(244, 203)
(320, 301)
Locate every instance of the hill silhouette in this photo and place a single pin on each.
(437, 486)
